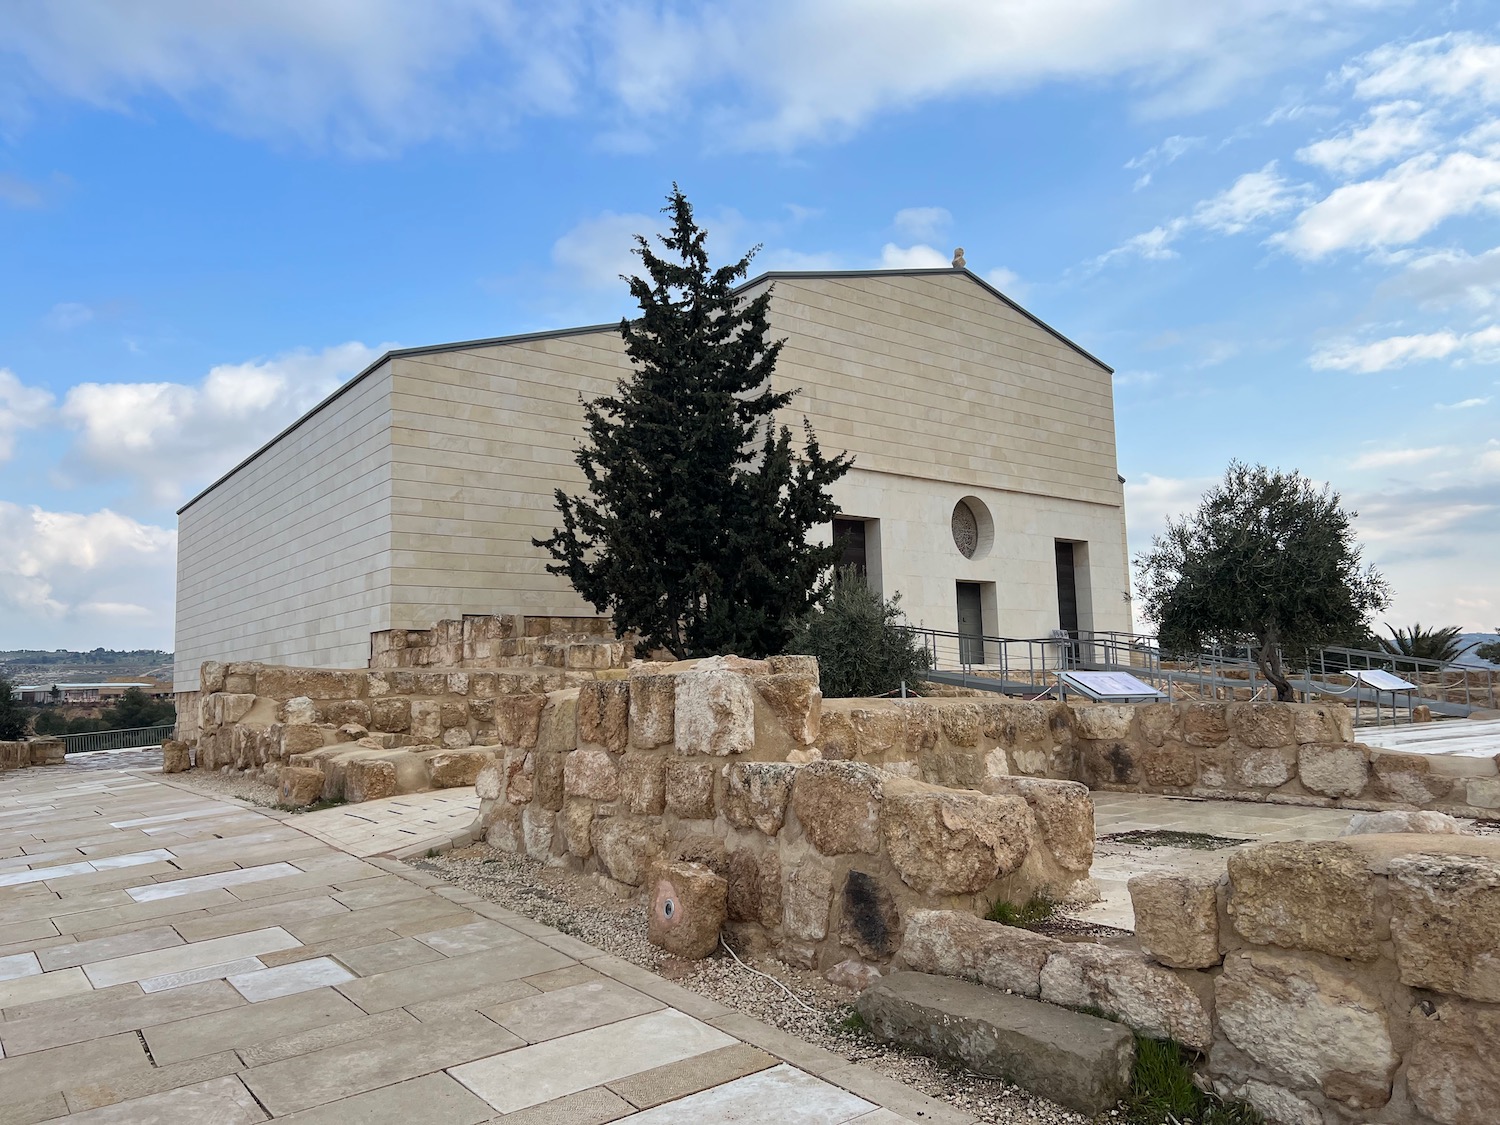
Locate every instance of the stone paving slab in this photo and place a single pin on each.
(166, 956)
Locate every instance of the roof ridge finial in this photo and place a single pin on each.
(958, 259)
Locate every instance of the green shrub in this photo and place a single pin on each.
(1162, 1090)
(1032, 913)
(861, 641)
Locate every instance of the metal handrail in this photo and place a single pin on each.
(125, 738)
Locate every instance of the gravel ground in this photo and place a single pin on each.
(236, 786)
(582, 907)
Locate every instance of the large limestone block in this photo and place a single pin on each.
(176, 757)
(653, 704)
(879, 731)
(591, 773)
(869, 922)
(715, 712)
(1314, 896)
(1064, 814)
(576, 822)
(687, 910)
(1445, 922)
(954, 944)
(754, 876)
(643, 782)
(920, 727)
(1402, 821)
(1450, 1069)
(489, 782)
(1316, 722)
(1170, 765)
(557, 730)
(961, 723)
(690, 788)
(1204, 724)
(1177, 918)
(537, 828)
(807, 894)
(1157, 722)
(1102, 721)
(1076, 1060)
(795, 702)
(549, 776)
(838, 805)
(947, 842)
(794, 665)
(1333, 770)
(388, 714)
(1312, 1027)
(628, 848)
(1408, 778)
(837, 740)
(53, 752)
(369, 779)
(1262, 724)
(1268, 767)
(210, 677)
(1123, 984)
(297, 786)
(234, 706)
(604, 714)
(1112, 764)
(300, 711)
(315, 683)
(518, 718)
(453, 769)
(426, 720)
(756, 794)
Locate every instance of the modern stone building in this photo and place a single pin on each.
(984, 489)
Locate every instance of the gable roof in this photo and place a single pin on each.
(560, 333)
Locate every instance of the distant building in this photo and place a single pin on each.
(86, 693)
(984, 486)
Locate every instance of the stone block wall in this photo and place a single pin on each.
(31, 752)
(1324, 983)
(503, 641)
(723, 763)
(1279, 752)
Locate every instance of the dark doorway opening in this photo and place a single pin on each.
(851, 533)
(1067, 598)
(970, 623)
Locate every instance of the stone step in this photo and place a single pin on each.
(1078, 1061)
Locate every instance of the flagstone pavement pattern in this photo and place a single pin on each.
(166, 956)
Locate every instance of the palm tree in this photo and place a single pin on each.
(1425, 644)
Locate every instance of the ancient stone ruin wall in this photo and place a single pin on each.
(503, 641)
(716, 764)
(31, 752)
(1281, 752)
(1332, 982)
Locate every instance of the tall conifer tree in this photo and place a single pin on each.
(693, 533)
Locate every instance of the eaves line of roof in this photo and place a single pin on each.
(584, 330)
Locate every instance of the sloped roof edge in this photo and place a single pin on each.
(558, 333)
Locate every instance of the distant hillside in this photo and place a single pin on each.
(1481, 638)
(64, 665)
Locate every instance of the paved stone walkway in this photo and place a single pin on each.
(168, 957)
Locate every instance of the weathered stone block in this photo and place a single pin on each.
(576, 821)
(1313, 896)
(519, 768)
(390, 715)
(1331, 770)
(754, 878)
(296, 786)
(537, 826)
(590, 773)
(643, 782)
(954, 944)
(715, 712)
(869, 922)
(943, 841)
(426, 720)
(1204, 724)
(210, 677)
(1169, 765)
(690, 788)
(1064, 814)
(1313, 1027)
(1408, 778)
(687, 910)
(653, 704)
(960, 723)
(1266, 767)
(316, 683)
(300, 711)
(1262, 725)
(879, 731)
(795, 702)
(1076, 1060)
(1177, 918)
(702, 848)
(756, 794)
(838, 804)
(794, 665)
(1104, 722)
(548, 778)
(489, 782)
(920, 727)
(1402, 821)
(836, 737)
(558, 728)
(451, 769)
(1450, 1068)
(628, 848)
(176, 757)
(1157, 722)
(1445, 920)
(604, 714)
(1123, 984)
(368, 779)
(518, 718)
(807, 894)
(1111, 765)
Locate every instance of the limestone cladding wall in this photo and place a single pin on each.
(716, 763)
(288, 559)
(1326, 983)
(1280, 752)
(415, 495)
(503, 641)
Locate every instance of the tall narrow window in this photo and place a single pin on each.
(851, 533)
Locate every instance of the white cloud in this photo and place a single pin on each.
(595, 253)
(21, 408)
(1395, 458)
(1463, 404)
(68, 315)
(922, 222)
(1397, 208)
(1453, 276)
(1460, 65)
(918, 257)
(85, 579)
(1251, 198)
(170, 438)
(1397, 351)
(1160, 155)
(1392, 130)
(378, 75)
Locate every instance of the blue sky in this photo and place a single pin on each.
(1277, 219)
